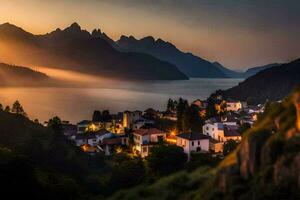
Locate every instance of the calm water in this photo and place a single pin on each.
(75, 104)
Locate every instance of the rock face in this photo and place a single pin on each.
(272, 148)
(297, 105)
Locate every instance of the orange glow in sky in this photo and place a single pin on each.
(238, 35)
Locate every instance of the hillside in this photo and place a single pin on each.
(188, 63)
(272, 83)
(21, 76)
(254, 70)
(266, 164)
(249, 72)
(78, 50)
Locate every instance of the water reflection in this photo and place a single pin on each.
(78, 103)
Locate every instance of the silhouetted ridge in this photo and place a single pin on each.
(189, 64)
(75, 49)
(273, 83)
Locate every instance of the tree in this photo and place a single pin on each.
(18, 109)
(182, 115)
(7, 109)
(229, 146)
(171, 106)
(127, 172)
(166, 159)
(97, 116)
(106, 117)
(195, 120)
(211, 109)
(1, 107)
(56, 125)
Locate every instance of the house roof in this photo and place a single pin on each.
(111, 141)
(84, 122)
(101, 132)
(231, 133)
(193, 136)
(150, 131)
(214, 120)
(85, 136)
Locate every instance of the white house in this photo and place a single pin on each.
(144, 139)
(214, 130)
(193, 142)
(92, 139)
(221, 132)
(233, 106)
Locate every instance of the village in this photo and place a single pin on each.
(136, 132)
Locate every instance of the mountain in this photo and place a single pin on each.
(273, 83)
(249, 72)
(188, 63)
(229, 72)
(78, 50)
(266, 165)
(21, 76)
(254, 70)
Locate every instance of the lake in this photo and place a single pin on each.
(75, 104)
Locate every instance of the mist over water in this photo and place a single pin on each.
(82, 94)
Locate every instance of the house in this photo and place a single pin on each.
(221, 132)
(142, 122)
(131, 117)
(233, 106)
(144, 139)
(230, 119)
(193, 142)
(214, 129)
(108, 144)
(82, 126)
(151, 114)
(232, 133)
(92, 138)
(200, 103)
(170, 115)
(215, 146)
(69, 130)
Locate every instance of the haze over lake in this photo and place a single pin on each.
(75, 104)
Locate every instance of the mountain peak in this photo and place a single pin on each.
(96, 33)
(74, 27)
(8, 25)
(149, 39)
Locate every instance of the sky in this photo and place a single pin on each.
(237, 33)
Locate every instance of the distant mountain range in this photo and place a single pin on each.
(21, 76)
(249, 72)
(78, 50)
(96, 53)
(188, 63)
(273, 83)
